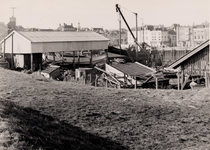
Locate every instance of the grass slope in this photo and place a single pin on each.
(37, 113)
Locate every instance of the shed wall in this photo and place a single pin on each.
(68, 46)
(198, 63)
(20, 45)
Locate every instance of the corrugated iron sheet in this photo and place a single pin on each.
(54, 36)
(133, 69)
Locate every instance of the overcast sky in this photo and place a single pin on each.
(102, 13)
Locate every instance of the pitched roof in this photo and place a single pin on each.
(50, 69)
(176, 63)
(133, 69)
(58, 36)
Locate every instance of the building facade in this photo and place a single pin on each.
(184, 36)
(154, 38)
(200, 34)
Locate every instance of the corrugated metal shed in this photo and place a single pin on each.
(53, 36)
(24, 42)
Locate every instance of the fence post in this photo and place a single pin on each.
(135, 83)
(178, 81)
(96, 80)
(206, 79)
(156, 83)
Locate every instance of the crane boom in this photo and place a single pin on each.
(135, 38)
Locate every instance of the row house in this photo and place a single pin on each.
(192, 36)
(200, 34)
(184, 36)
(155, 37)
(172, 38)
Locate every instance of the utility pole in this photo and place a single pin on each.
(120, 32)
(136, 34)
(143, 29)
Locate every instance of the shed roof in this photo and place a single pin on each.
(176, 63)
(133, 69)
(61, 36)
(50, 69)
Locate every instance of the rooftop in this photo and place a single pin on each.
(58, 36)
(133, 69)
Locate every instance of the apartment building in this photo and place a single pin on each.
(172, 37)
(155, 37)
(200, 34)
(184, 36)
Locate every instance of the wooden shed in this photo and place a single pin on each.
(129, 72)
(195, 62)
(24, 49)
(51, 71)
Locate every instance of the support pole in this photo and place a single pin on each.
(182, 78)
(79, 60)
(91, 57)
(90, 78)
(107, 57)
(12, 65)
(54, 56)
(32, 62)
(120, 32)
(178, 84)
(136, 34)
(206, 79)
(135, 83)
(74, 59)
(4, 48)
(62, 55)
(106, 84)
(96, 80)
(156, 83)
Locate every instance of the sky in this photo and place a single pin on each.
(102, 13)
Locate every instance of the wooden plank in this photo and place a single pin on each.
(107, 73)
(148, 79)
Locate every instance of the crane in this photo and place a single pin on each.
(135, 38)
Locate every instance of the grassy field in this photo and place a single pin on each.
(37, 113)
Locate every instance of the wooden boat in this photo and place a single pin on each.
(78, 59)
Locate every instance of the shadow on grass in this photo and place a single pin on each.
(38, 131)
